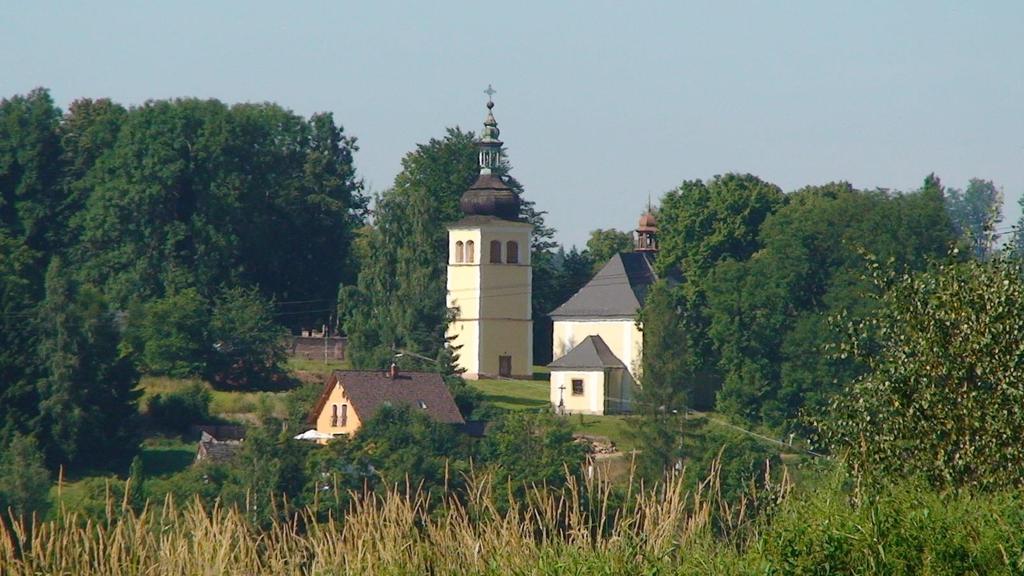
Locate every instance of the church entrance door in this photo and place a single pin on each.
(504, 366)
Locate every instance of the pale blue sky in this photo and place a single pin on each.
(600, 103)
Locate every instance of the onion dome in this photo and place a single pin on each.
(648, 223)
(646, 239)
(489, 195)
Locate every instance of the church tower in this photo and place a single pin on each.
(489, 273)
(646, 238)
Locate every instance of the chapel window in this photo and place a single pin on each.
(512, 252)
(577, 387)
(470, 251)
(460, 252)
(495, 252)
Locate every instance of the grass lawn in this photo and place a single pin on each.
(224, 403)
(164, 456)
(315, 366)
(617, 428)
(514, 394)
(533, 395)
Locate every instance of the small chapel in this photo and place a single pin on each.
(489, 272)
(597, 344)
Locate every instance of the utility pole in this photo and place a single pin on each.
(325, 343)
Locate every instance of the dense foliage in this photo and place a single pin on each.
(762, 274)
(180, 237)
(941, 397)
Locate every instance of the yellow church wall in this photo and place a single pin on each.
(593, 399)
(621, 335)
(492, 301)
(323, 421)
(464, 235)
(506, 291)
(506, 338)
(467, 340)
(464, 290)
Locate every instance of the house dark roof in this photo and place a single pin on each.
(367, 391)
(218, 452)
(617, 291)
(590, 354)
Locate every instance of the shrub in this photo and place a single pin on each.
(24, 481)
(178, 410)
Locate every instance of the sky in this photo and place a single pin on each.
(601, 105)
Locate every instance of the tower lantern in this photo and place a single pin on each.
(647, 233)
(489, 144)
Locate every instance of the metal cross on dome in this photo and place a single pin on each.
(490, 92)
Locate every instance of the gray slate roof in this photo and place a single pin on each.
(617, 291)
(212, 450)
(369, 390)
(591, 354)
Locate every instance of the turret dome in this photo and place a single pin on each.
(489, 195)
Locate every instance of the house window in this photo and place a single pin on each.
(495, 252)
(577, 387)
(460, 252)
(512, 252)
(344, 415)
(423, 405)
(470, 251)
(334, 415)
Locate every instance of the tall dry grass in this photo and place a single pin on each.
(584, 527)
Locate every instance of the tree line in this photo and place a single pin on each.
(179, 237)
(186, 237)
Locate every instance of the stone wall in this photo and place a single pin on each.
(312, 347)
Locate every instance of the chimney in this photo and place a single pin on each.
(393, 371)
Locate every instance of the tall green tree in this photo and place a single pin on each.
(701, 225)
(941, 397)
(769, 315)
(19, 288)
(668, 380)
(86, 387)
(399, 300)
(171, 335)
(975, 213)
(603, 244)
(196, 194)
(30, 169)
(88, 130)
(247, 343)
(24, 480)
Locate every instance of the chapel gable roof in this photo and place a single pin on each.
(367, 391)
(617, 291)
(590, 354)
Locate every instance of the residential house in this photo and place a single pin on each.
(351, 397)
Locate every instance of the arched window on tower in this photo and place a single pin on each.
(495, 252)
(470, 251)
(460, 252)
(512, 252)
